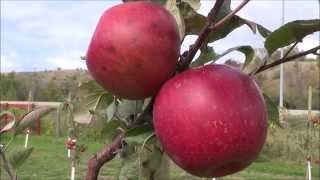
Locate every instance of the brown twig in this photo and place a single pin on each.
(284, 60)
(265, 61)
(229, 16)
(210, 27)
(187, 56)
(109, 151)
(100, 158)
(291, 48)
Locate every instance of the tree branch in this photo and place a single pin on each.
(229, 16)
(106, 154)
(187, 56)
(265, 61)
(211, 26)
(284, 60)
(291, 48)
(110, 151)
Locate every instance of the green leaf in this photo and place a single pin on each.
(224, 10)
(273, 112)
(291, 32)
(233, 24)
(31, 117)
(207, 54)
(8, 126)
(7, 113)
(248, 51)
(146, 128)
(111, 127)
(161, 2)
(227, 28)
(94, 96)
(193, 21)
(195, 4)
(139, 135)
(129, 107)
(263, 31)
(103, 101)
(19, 157)
(171, 6)
(152, 163)
(111, 110)
(138, 139)
(129, 168)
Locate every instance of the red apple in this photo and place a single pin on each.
(211, 121)
(134, 49)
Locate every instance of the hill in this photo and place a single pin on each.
(55, 85)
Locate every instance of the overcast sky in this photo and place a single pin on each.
(43, 35)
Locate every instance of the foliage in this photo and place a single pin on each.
(112, 115)
(9, 86)
(120, 115)
(18, 157)
(273, 112)
(291, 32)
(44, 86)
(31, 117)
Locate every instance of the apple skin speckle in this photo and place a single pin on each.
(211, 121)
(138, 43)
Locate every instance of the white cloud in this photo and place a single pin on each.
(17, 10)
(69, 60)
(9, 63)
(59, 32)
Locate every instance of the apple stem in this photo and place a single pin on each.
(211, 26)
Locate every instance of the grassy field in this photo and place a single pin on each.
(49, 161)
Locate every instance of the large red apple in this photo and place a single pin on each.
(211, 121)
(134, 49)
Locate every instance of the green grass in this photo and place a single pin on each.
(49, 162)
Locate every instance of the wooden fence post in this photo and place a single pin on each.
(310, 125)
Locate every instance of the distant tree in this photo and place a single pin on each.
(8, 86)
(50, 92)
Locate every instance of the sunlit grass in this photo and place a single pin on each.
(49, 161)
